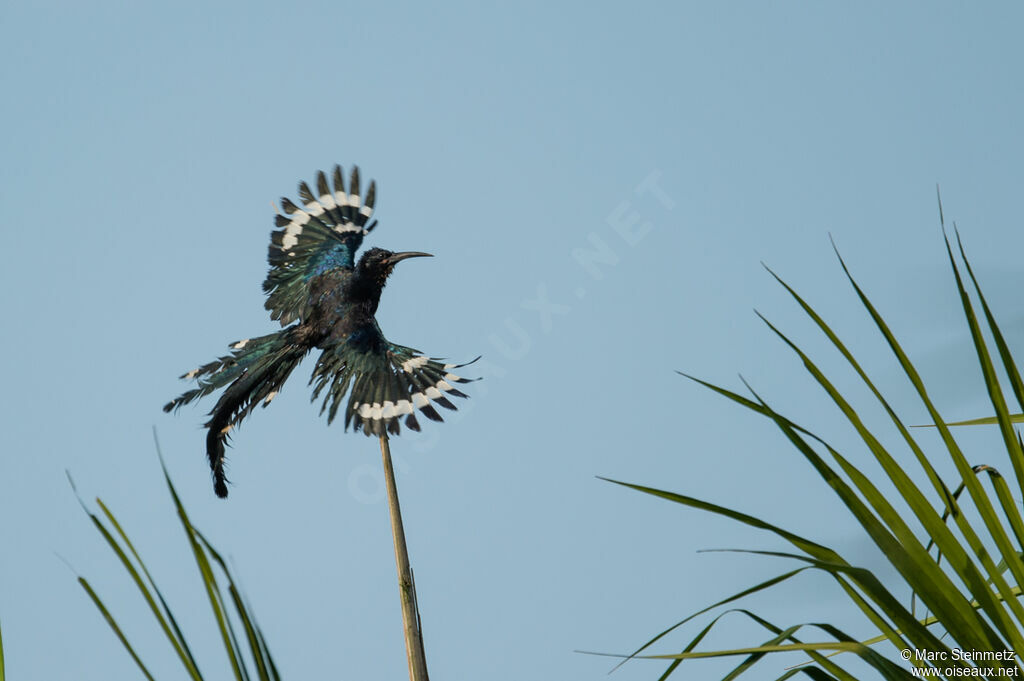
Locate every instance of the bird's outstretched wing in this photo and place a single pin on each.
(385, 387)
(320, 234)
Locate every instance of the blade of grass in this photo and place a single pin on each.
(870, 656)
(917, 558)
(847, 644)
(1013, 448)
(935, 527)
(865, 579)
(172, 636)
(919, 454)
(677, 659)
(114, 626)
(259, 652)
(689, 646)
(143, 579)
(981, 421)
(905, 619)
(746, 592)
(892, 635)
(209, 581)
(968, 629)
(1009, 364)
(1017, 384)
(975, 491)
(753, 658)
(170, 625)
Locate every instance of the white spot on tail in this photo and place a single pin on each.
(270, 397)
(240, 344)
(453, 378)
(433, 392)
(315, 209)
(192, 374)
(403, 407)
(327, 201)
(419, 400)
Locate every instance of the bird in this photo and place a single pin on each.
(325, 300)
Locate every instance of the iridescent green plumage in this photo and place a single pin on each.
(330, 301)
(321, 235)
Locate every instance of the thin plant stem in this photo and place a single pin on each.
(407, 590)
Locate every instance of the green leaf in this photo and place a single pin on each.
(966, 566)
(206, 559)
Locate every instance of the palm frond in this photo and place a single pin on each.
(967, 569)
(249, 658)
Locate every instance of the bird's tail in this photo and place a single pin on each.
(385, 387)
(253, 373)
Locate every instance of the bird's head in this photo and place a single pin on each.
(376, 264)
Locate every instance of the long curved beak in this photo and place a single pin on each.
(399, 257)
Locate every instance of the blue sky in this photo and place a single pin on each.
(687, 142)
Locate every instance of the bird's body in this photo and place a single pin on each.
(326, 300)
